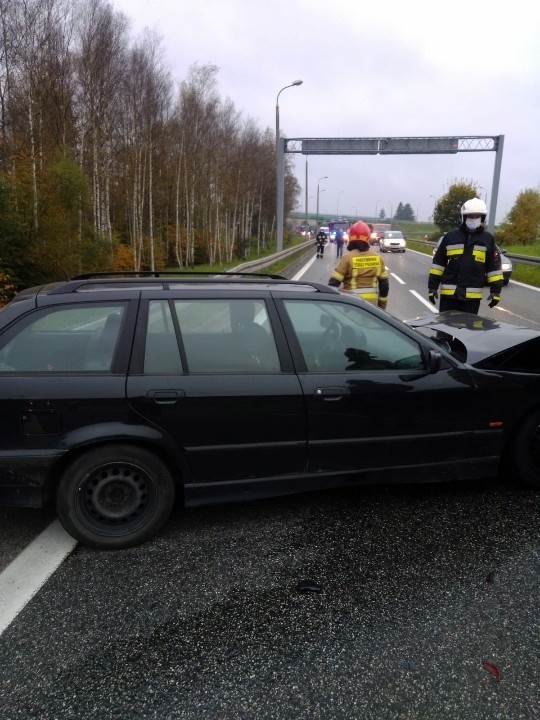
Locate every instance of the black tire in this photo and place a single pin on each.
(115, 496)
(525, 451)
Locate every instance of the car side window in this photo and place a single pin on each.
(338, 337)
(60, 339)
(227, 336)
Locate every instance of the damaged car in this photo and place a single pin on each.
(124, 395)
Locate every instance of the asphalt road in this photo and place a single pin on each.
(418, 587)
(421, 602)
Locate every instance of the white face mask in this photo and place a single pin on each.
(473, 223)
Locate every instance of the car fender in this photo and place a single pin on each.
(153, 437)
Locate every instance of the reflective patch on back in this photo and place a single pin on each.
(366, 261)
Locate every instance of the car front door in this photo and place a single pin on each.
(371, 401)
(215, 376)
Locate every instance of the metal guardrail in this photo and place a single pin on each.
(270, 259)
(524, 259)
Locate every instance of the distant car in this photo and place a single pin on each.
(392, 241)
(377, 230)
(506, 263)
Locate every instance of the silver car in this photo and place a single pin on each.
(392, 241)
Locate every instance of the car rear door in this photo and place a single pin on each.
(217, 376)
(62, 385)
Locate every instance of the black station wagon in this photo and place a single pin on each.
(123, 394)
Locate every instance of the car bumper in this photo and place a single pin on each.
(23, 478)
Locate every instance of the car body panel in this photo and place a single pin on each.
(481, 337)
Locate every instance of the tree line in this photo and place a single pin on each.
(106, 163)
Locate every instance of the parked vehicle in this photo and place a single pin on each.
(507, 266)
(121, 394)
(392, 241)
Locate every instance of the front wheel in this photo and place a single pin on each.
(115, 496)
(525, 451)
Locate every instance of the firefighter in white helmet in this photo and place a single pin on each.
(465, 260)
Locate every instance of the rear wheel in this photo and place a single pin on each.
(525, 451)
(115, 496)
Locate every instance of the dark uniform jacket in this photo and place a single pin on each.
(464, 262)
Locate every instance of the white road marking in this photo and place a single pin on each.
(303, 270)
(423, 300)
(398, 278)
(22, 578)
(524, 285)
(515, 315)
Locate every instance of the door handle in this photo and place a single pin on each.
(165, 397)
(331, 393)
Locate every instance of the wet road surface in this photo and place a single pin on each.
(418, 586)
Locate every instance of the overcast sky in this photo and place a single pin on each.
(371, 69)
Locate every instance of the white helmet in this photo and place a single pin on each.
(474, 207)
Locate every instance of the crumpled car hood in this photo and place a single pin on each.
(480, 338)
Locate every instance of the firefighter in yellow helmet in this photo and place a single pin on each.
(361, 270)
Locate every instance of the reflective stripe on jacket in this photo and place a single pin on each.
(364, 274)
(464, 262)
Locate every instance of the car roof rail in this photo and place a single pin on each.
(172, 273)
(116, 280)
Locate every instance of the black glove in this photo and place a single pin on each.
(493, 300)
(433, 296)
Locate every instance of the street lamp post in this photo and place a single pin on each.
(391, 210)
(376, 208)
(318, 182)
(280, 173)
(306, 193)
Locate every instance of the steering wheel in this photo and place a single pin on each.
(330, 341)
